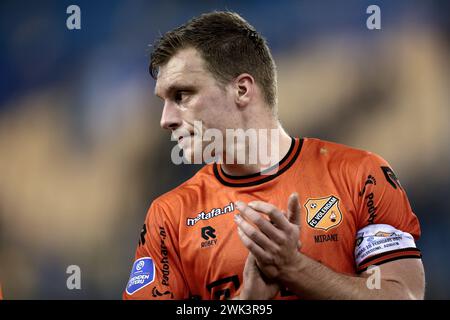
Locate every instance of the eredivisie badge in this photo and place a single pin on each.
(323, 213)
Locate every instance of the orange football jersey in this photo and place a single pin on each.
(354, 213)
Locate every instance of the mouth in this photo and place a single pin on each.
(180, 138)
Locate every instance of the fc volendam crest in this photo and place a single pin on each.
(323, 213)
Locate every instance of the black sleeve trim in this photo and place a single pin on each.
(380, 255)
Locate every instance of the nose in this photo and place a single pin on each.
(170, 118)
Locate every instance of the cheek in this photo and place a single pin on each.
(215, 110)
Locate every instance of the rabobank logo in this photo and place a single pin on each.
(142, 274)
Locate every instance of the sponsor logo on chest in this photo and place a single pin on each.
(209, 235)
(214, 212)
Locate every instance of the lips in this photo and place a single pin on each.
(182, 137)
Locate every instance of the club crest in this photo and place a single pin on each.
(323, 213)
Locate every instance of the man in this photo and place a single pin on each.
(309, 226)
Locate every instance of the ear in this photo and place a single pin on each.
(244, 88)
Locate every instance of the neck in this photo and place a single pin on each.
(273, 146)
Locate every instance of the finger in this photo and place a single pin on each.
(263, 224)
(254, 234)
(294, 209)
(275, 215)
(255, 250)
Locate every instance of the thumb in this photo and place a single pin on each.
(293, 213)
(251, 262)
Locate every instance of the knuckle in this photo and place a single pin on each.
(259, 221)
(252, 234)
(271, 260)
(273, 212)
(266, 260)
(283, 239)
(278, 250)
(279, 240)
(249, 243)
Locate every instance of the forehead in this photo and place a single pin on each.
(185, 68)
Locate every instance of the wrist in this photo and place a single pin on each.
(290, 274)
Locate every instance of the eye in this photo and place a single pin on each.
(179, 96)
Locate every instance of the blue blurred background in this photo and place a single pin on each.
(82, 155)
